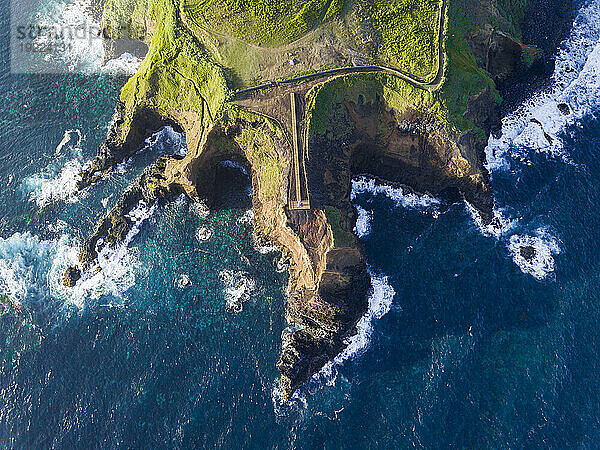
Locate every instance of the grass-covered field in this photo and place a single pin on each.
(401, 34)
(176, 75)
(262, 22)
(183, 70)
(408, 31)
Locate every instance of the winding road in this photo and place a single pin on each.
(299, 196)
(349, 70)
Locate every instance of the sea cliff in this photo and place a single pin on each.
(414, 105)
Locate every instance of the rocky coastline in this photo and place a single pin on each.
(365, 133)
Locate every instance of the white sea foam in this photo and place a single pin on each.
(546, 247)
(498, 227)
(83, 48)
(203, 234)
(238, 287)
(126, 64)
(234, 165)
(182, 281)
(247, 218)
(22, 262)
(82, 54)
(363, 222)
(181, 200)
(31, 269)
(200, 210)
(48, 189)
(264, 247)
(281, 264)
(113, 272)
(105, 201)
(67, 139)
(380, 303)
(538, 125)
(167, 141)
(363, 185)
(58, 181)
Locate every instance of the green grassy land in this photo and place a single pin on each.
(182, 74)
(341, 237)
(408, 32)
(125, 18)
(176, 75)
(263, 22)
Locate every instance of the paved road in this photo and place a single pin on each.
(408, 77)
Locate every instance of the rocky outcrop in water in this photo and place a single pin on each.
(432, 142)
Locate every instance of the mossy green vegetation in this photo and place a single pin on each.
(125, 18)
(251, 36)
(257, 143)
(341, 237)
(263, 22)
(328, 112)
(464, 78)
(184, 70)
(530, 55)
(408, 33)
(512, 13)
(177, 75)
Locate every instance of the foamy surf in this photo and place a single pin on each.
(538, 125)
(82, 54)
(363, 222)
(167, 141)
(238, 287)
(23, 262)
(543, 247)
(58, 181)
(31, 270)
(362, 185)
(500, 225)
(126, 64)
(82, 44)
(113, 272)
(380, 303)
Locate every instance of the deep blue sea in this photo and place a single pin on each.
(466, 344)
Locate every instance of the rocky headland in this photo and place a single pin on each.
(425, 128)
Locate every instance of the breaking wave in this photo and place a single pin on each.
(58, 182)
(126, 64)
(31, 270)
(380, 303)
(500, 225)
(363, 222)
(363, 185)
(83, 47)
(543, 247)
(539, 125)
(167, 141)
(113, 272)
(247, 218)
(238, 287)
(574, 93)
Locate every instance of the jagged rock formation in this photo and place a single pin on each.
(429, 139)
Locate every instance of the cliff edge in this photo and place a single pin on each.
(307, 95)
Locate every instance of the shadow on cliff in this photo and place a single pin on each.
(233, 187)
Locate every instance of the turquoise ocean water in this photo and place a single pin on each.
(465, 344)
